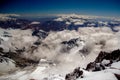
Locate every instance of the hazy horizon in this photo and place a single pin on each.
(47, 7)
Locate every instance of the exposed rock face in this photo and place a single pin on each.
(97, 65)
(117, 76)
(92, 66)
(68, 45)
(113, 56)
(39, 33)
(71, 43)
(74, 75)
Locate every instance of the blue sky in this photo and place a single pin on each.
(89, 7)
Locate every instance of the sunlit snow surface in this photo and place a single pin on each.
(63, 62)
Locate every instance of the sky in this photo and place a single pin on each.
(46, 7)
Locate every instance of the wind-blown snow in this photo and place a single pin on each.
(55, 63)
(7, 66)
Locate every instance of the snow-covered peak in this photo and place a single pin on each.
(62, 17)
(78, 23)
(76, 16)
(35, 22)
(4, 17)
(87, 20)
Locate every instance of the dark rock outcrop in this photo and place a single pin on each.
(117, 76)
(92, 66)
(39, 33)
(69, 44)
(112, 56)
(97, 65)
(74, 75)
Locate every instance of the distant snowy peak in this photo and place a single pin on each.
(59, 19)
(35, 22)
(78, 23)
(62, 17)
(76, 16)
(7, 15)
(87, 21)
(4, 17)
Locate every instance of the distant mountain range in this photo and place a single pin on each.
(61, 22)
